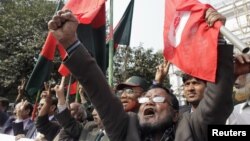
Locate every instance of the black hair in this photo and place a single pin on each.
(174, 101)
(186, 77)
(30, 107)
(5, 103)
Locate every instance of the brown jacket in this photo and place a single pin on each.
(121, 126)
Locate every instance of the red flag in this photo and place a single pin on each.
(91, 16)
(188, 41)
(73, 88)
(41, 71)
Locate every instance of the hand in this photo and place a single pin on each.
(59, 89)
(20, 88)
(19, 136)
(63, 26)
(241, 64)
(46, 90)
(161, 71)
(48, 96)
(212, 16)
(20, 109)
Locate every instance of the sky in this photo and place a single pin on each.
(148, 20)
(147, 25)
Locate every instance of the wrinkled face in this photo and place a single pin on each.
(158, 114)
(241, 81)
(97, 118)
(128, 97)
(194, 90)
(242, 87)
(74, 111)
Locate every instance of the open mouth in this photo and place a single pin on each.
(124, 101)
(149, 112)
(191, 94)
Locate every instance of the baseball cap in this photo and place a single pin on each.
(133, 81)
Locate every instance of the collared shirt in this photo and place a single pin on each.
(240, 114)
(25, 123)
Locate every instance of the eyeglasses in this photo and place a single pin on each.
(157, 99)
(127, 91)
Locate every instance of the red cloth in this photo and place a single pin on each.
(73, 88)
(87, 12)
(188, 41)
(48, 50)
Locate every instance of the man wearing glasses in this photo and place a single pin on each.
(129, 91)
(158, 113)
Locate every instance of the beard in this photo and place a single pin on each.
(159, 126)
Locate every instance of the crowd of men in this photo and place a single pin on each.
(137, 111)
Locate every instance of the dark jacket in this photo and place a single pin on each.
(18, 128)
(48, 128)
(121, 126)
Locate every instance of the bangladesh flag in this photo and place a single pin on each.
(122, 31)
(43, 67)
(91, 32)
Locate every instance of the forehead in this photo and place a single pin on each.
(42, 101)
(156, 92)
(133, 87)
(18, 105)
(193, 80)
(74, 106)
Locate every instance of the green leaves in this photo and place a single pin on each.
(23, 29)
(135, 61)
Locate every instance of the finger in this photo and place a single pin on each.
(57, 20)
(246, 58)
(165, 61)
(62, 81)
(161, 67)
(46, 86)
(23, 82)
(239, 58)
(68, 16)
(208, 12)
(55, 88)
(25, 102)
(212, 17)
(49, 89)
(52, 25)
(59, 12)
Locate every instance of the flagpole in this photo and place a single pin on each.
(58, 7)
(68, 90)
(234, 39)
(35, 106)
(77, 92)
(111, 45)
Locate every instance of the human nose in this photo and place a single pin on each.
(150, 102)
(190, 87)
(124, 95)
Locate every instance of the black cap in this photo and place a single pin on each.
(134, 81)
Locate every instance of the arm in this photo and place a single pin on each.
(90, 76)
(161, 72)
(69, 124)
(46, 127)
(43, 125)
(218, 95)
(217, 103)
(20, 90)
